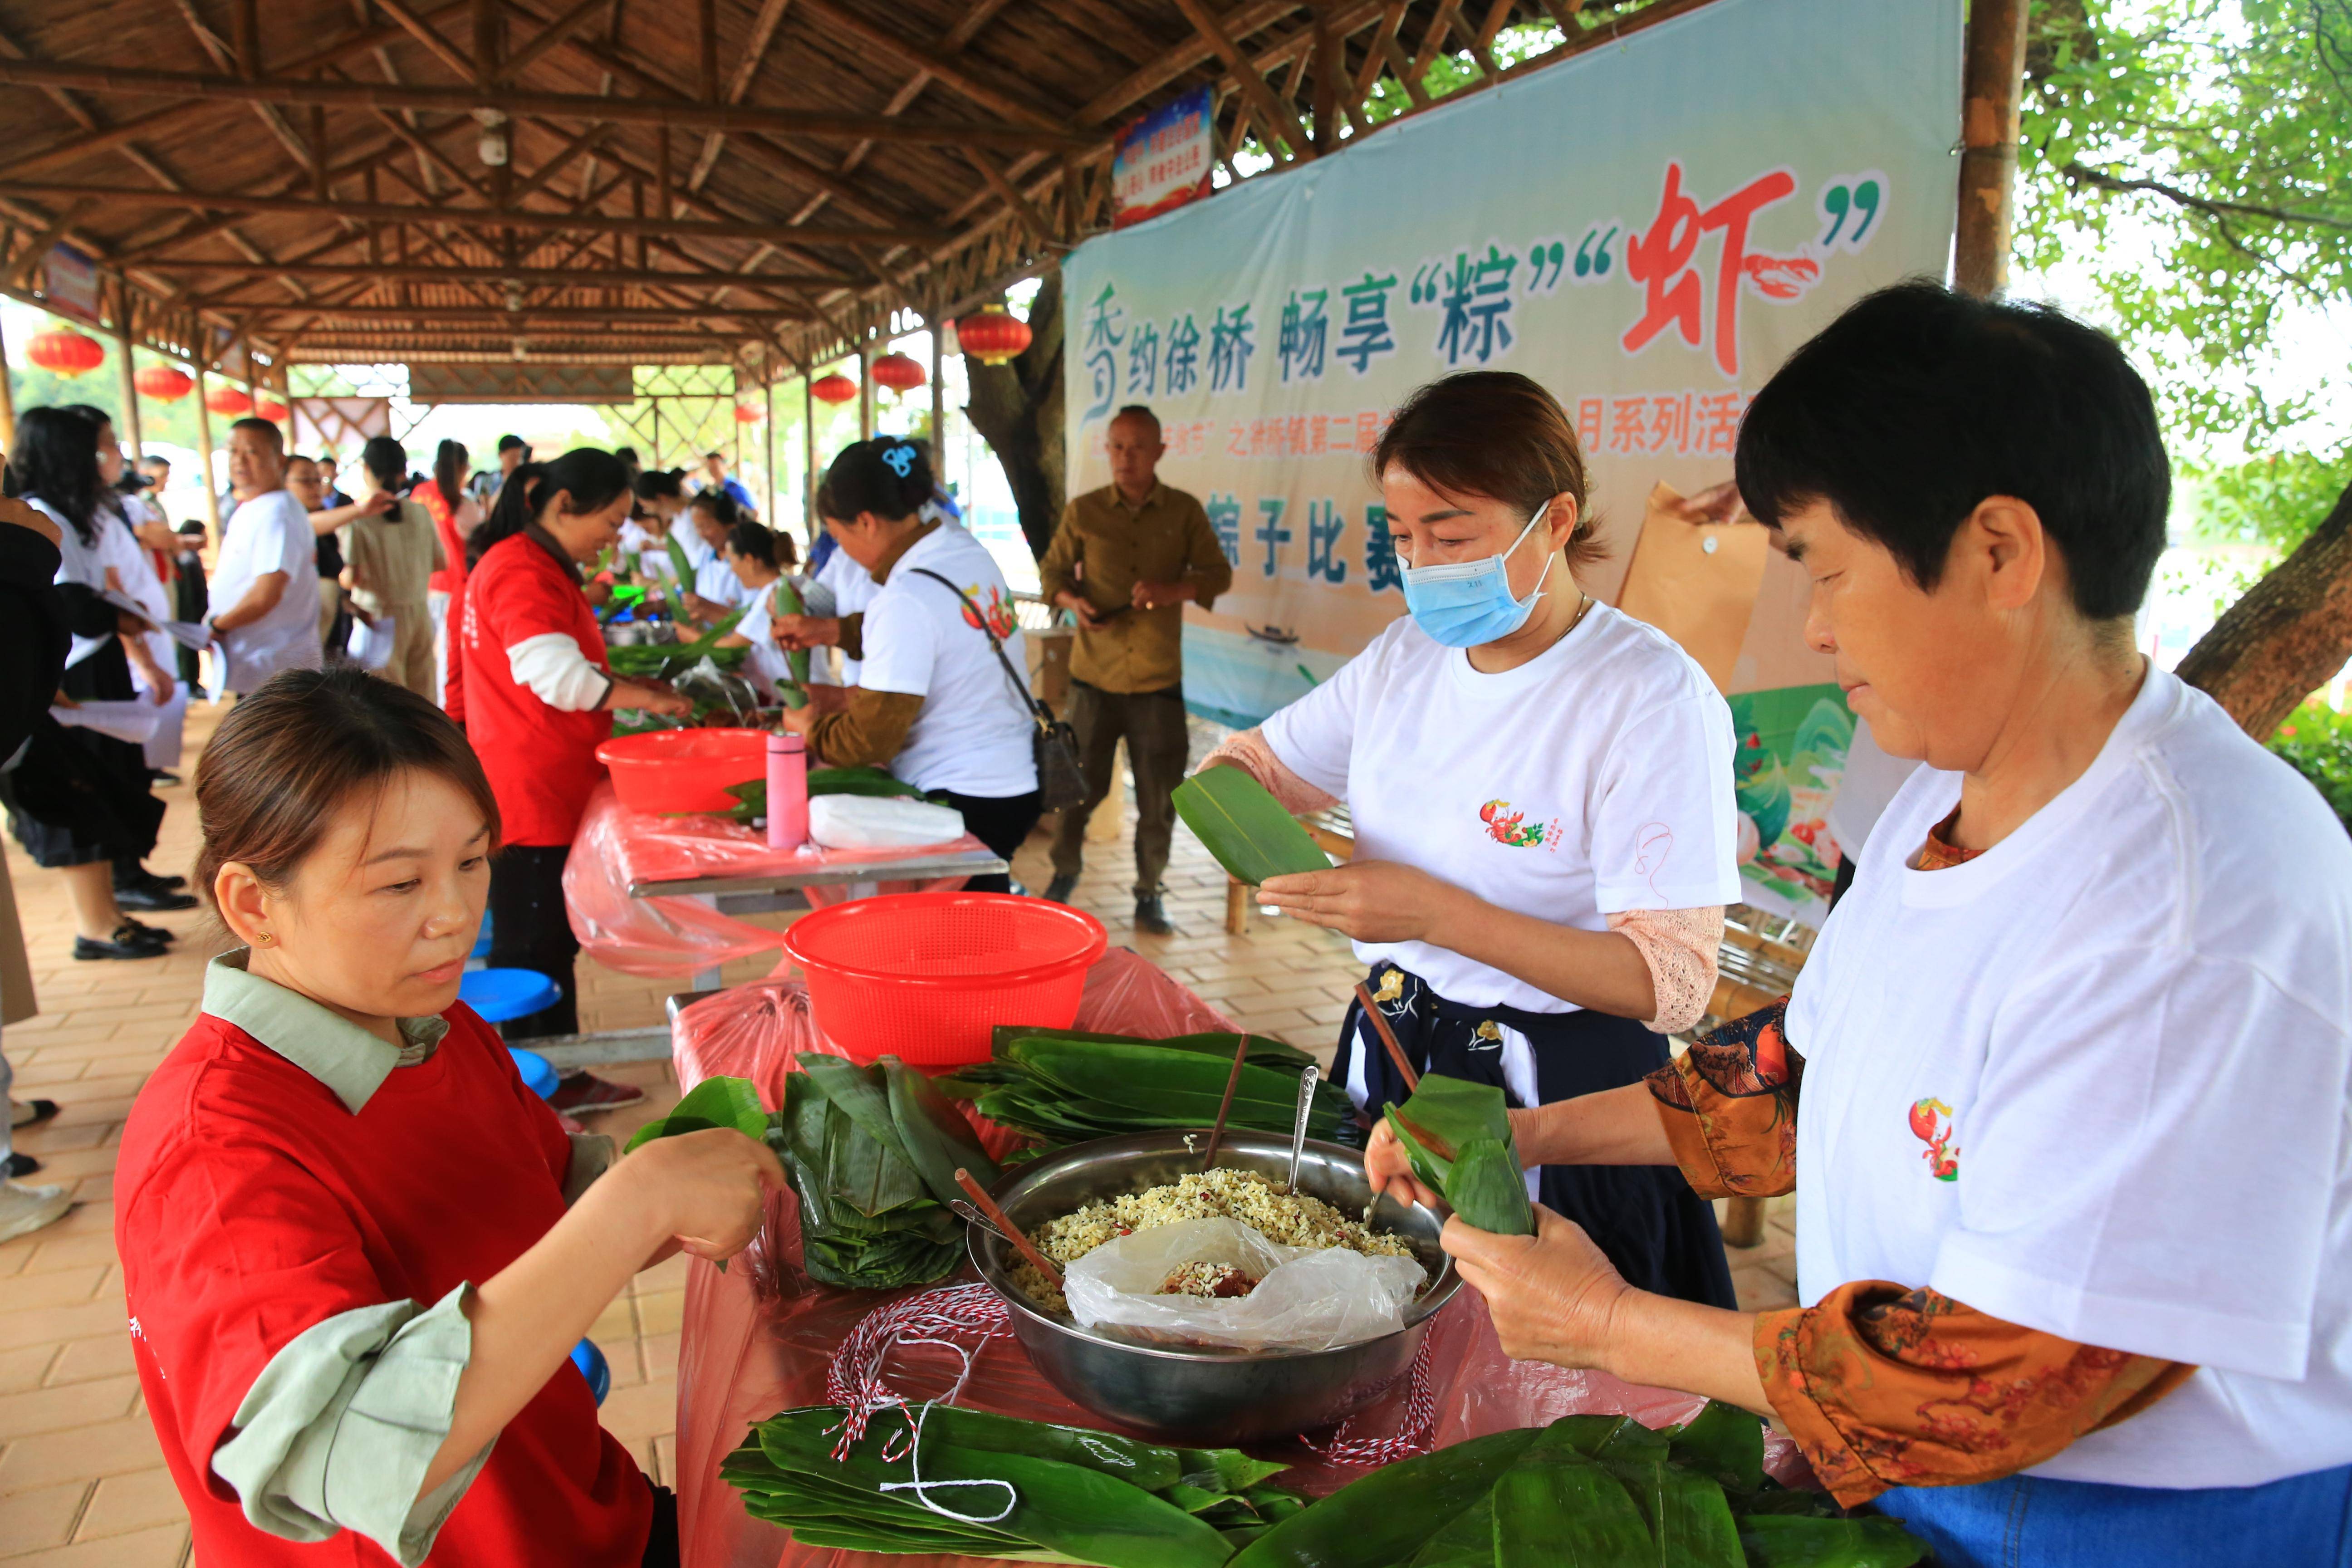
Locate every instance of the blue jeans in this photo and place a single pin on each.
(2023, 1521)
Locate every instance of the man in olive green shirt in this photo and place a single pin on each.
(1125, 561)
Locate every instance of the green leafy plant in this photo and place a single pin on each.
(751, 795)
(2317, 741)
(785, 599)
(1245, 827)
(1458, 1136)
(1065, 1087)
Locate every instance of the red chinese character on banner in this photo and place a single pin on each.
(1629, 424)
(1660, 260)
(1368, 430)
(1670, 415)
(1295, 440)
(1718, 421)
(1587, 423)
(1318, 436)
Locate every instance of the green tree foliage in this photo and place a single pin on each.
(2221, 131)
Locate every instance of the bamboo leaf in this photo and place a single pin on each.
(1723, 1441)
(1458, 1136)
(1785, 1542)
(937, 1138)
(1489, 1190)
(713, 1102)
(1388, 1515)
(1245, 827)
(678, 563)
(1567, 1512)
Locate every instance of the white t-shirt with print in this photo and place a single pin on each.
(268, 533)
(972, 735)
(1593, 779)
(2094, 1082)
(853, 588)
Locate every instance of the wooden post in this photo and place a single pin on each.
(204, 453)
(130, 384)
(768, 442)
(1992, 80)
(7, 400)
(939, 404)
(808, 442)
(864, 392)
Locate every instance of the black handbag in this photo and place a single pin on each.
(1061, 783)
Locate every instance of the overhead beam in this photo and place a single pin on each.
(944, 68)
(379, 212)
(529, 277)
(1275, 113)
(426, 33)
(491, 316)
(113, 81)
(555, 33)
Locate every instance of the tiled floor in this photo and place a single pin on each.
(81, 1482)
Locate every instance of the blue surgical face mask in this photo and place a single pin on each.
(1464, 604)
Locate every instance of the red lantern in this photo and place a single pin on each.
(66, 353)
(271, 410)
(229, 400)
(993, 336)
(834, 388)
(898, 372)
(163, 383)
(747, 415)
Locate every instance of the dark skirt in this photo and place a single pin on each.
(77, 797)
(1659, 1235)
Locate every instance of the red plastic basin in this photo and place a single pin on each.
(684, 770)
(925, 977)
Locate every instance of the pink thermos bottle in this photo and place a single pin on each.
(787, 791)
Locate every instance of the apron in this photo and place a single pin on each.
(1655, 1231)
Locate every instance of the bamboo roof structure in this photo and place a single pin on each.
(756, 182)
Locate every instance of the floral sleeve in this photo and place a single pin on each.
(1729, 1105)
(1882, 1386)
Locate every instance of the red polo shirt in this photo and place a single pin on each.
(254, 1206)
(541, 762)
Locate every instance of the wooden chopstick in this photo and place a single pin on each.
(1226, 1106)
(1388, 1038)
(1012, 1233)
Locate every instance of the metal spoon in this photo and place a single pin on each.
(1307, 1082)
(971, 1215)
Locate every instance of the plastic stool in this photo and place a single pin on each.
(594, 1367)
(539, 1074)
(502, 995)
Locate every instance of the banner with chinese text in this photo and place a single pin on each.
(1163, 160)
(1647, 229)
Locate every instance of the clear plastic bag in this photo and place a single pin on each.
(881, 822)
(1306, 1299)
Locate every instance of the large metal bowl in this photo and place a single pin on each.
(1206, 1396)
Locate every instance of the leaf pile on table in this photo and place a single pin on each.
(1248, 831)
(1066, 1087)
(1458, 1135)
(1074, 1495)
(660, 660)
(871, 1153)
(1587, 1491)
(751, 795)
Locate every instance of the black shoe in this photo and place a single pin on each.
(1058, 890)
(22, 1166)
(155, 934)
(128, 941)
(153, 900)
(1149, 916)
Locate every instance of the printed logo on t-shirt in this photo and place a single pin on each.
(1931, 1124)
(1507, 824)
(1000, 614)
(1486, 1037)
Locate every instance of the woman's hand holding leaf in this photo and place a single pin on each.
(1371, 900)
(708, 1189)
(1554, 1295)
(794, 633)
(1390, 1166)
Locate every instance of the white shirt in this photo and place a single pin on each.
(972, 735)
(763, 661)
(78, 563)
(698, 553)
(715, 581)
(2123, 1033)
(854, 589)
(268, 533)
(1595, 778)
(135, 569)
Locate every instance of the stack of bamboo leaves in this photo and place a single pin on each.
(1066, 1087)
(1049, 1494)
(751, 795)
(872, 1154)
(1593, 1491)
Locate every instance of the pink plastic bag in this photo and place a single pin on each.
(671, 938)
(759, 1339)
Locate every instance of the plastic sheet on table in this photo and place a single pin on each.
(667, 938)
(759, 1339)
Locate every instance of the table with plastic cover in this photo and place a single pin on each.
(760, 1338)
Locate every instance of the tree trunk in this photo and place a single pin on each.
(2287, 636)
(1017, 409)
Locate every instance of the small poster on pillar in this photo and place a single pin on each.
(1163, 160)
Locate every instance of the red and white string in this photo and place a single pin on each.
(1411, 1438)
(948, 1317)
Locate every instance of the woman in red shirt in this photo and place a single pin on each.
(540, 697)
(455, 517)
(357, 1250)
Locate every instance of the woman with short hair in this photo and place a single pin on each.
(1540, 789)
(2061, 1090)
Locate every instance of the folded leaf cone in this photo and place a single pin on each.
(1458, 1137)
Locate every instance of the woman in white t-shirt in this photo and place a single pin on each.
(2061, 1089)
(1540, 789)
(760, 558)
(935, 703)
(716, 592)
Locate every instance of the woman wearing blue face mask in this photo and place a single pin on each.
(1541, 793)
